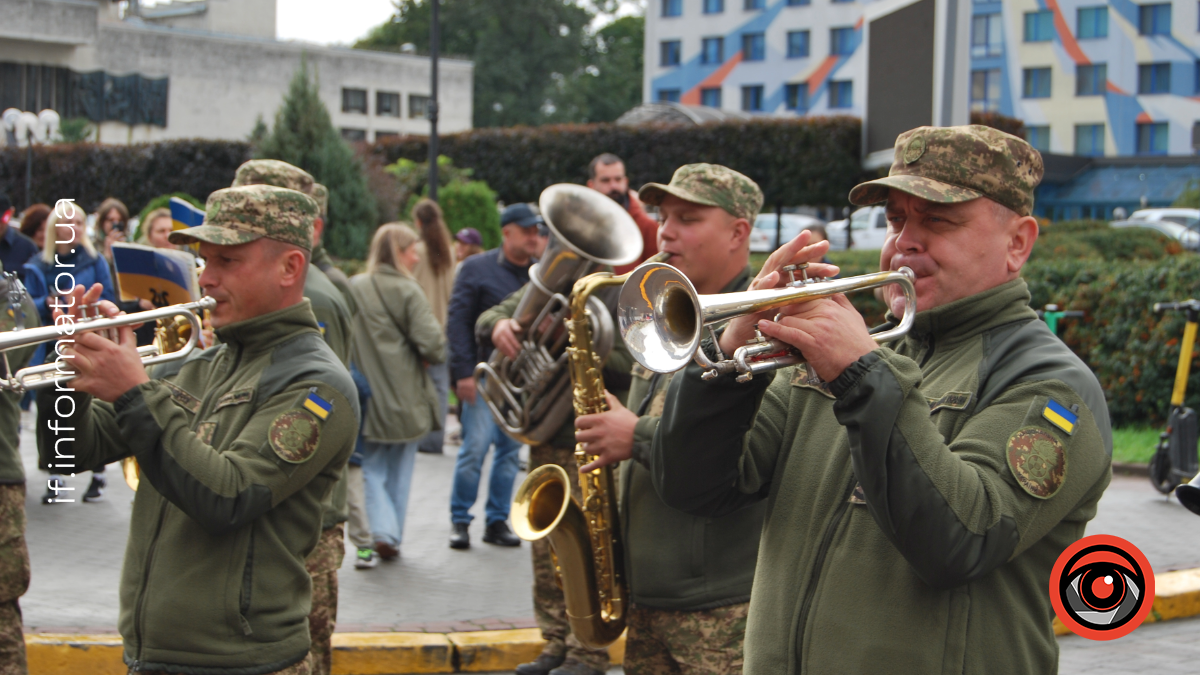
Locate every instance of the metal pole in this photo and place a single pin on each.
(778, 224)
(28, 170)
(433, 102)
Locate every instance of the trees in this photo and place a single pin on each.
(608, 81)
(303, 135)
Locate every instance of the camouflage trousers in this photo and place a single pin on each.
(304, 667)
(549, 606)
(14, 579)
(323, 564)
(668, 642)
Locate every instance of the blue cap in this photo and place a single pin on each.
(520, 214)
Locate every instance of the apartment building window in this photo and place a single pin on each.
(755, 4)
(669, 52)
(354, 135)
(380, 135)
(354, 100)
(1091, 80)
(1037, 83)
(798, 3)
(1039, 26)
(1038, 137)
(754, 47)
(795, 96)
(1154, 78)
(668, 96)
(1089, 140)
(985, 89)
(387, 104)
(797, 44)
(842, 41)
(714, 6)
(987, 35)
(711, 97)
(1092, 23)
(1152, 138)
(418, 106)
(672, 7)
(752, 98)
(712, 50)
(841, 94)
(1154, 19)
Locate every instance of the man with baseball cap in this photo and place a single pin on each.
(918, 492)
(238, 446)
(689, 603)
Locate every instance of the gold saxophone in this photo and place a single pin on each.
(585, 538)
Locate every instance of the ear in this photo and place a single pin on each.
(740, 234)
(292, 268)
(591, 182)
(318, 230)
(1023, 233)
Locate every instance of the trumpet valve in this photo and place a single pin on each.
(791, 270)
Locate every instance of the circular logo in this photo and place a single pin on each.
(1102, 587)
(914, 150)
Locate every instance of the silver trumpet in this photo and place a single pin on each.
(45, 375)
(663, 318)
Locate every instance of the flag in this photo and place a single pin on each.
(184, 215)
(162, 276)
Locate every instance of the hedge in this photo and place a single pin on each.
(89, 172)
(811, 160)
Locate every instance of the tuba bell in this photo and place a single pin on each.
(529, 396)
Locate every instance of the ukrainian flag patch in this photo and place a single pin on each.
(321, 325)
(317, 405)
(1058, 415)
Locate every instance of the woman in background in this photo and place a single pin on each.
(435, 273)
(157, 228)
(112, 221)
(395, 335)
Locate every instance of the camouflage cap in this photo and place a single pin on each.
(239, 215)
(321, 194)
(710, 185)
(273, 172)
(949, 165)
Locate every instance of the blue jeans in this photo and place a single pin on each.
(440, 374)
(387, 473)
(480, 432)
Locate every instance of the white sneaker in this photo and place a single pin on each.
(366, 559)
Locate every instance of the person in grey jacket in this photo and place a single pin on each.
(395, 336)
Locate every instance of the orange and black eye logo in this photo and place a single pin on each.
(1102, 587)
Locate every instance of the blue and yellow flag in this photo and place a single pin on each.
(162, 276)
(1059, 416)
(317, 405)
(184, 215)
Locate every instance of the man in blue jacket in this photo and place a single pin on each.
(483, 281)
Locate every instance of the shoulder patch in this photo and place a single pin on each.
(1037, 460)
(802, 377)
(317, 405)
(182, 398)
(1058, 415)
(294, 436)
(951, 400)
(205, 431)
(235, 397)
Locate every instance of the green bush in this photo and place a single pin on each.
(469, 204)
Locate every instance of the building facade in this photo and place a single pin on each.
(206, 69)
(1088, 77)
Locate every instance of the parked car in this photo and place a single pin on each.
(762, 237)
(868, 229)
(1181, 224)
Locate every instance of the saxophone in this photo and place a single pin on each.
(585, 537)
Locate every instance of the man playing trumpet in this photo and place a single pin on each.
(918, 493)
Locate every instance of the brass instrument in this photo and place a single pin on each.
(527, 395)
(585, 537)
(663, 319)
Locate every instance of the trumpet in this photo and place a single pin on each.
(663, 319)
(49, 374)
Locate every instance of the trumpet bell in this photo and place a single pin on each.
(659, 317)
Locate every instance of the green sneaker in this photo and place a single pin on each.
(366, 559)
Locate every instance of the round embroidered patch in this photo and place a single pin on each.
(1037, 461)
(294, 436)
(914, 150)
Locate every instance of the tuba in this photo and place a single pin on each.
(528, 395)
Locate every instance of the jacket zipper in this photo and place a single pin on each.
(818, 565)
(928, 353)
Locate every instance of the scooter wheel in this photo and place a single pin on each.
(1160, 470)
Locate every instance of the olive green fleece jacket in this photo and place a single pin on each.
(675, 560)
(320, 258)
(12, 470)
(908, 528)
(616, 367)
(234, 468)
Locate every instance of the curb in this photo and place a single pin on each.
(1131, 469)
(1177, 596)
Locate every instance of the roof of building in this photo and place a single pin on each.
(1117, 180)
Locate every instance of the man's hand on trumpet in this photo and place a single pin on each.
(106, 369)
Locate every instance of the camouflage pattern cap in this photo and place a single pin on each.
(239, 215)
(710, 185)
(949, 165)
(321, 194)
(274, 172)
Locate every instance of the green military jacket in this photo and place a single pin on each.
(616, 367)
(16, 309)
(916, 504)
(320, 258)
(238, 445)
(675, 560)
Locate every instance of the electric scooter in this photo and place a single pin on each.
(1175, 459)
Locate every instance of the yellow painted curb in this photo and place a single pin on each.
(64, 654)
(1176, 596)
(387, 653)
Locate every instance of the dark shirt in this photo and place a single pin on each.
(15, 250)
(483, 281)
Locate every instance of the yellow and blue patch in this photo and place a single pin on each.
(317, 405)
(1058, 415)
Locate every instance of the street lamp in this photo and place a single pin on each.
(24, 129)
(432, 110)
